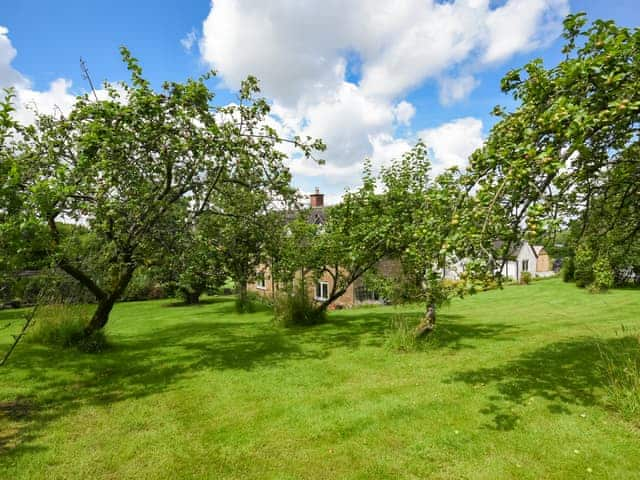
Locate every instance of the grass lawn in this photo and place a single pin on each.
(510, 387)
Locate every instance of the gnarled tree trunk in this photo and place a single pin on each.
(428, 323)
(191, 296)
(243, 295)
(105, 304)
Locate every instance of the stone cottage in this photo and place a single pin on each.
(319, 289)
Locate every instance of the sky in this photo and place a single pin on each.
(369, 77)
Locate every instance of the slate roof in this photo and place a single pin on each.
(515, 249)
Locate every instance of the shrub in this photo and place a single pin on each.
(603, 277)
(583, 273)
(568, 269)
(296, 308)
(243, 306)
(144, 285)
(622, 375)
(401, 335)
(525, 278)
(63, 326)
(43, 286)
(489, 284)
(249, 304)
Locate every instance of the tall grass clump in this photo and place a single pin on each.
(622, 375)
(401, 335)
(251, 303)
(296, 308)
(63, 326)
(244, 305)
(568, 269)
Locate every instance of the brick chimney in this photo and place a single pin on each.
(317, 199)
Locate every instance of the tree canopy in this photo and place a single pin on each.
(133, 168)
(569, 153)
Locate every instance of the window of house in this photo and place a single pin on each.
(260, 281)
(365, 295)
(322, 291)
(525, 265)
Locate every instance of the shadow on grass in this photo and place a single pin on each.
(10, 316)
(201, 303)
(372, 326)
(567, 374)
(62, 381)
(223, 305)
(155, 358)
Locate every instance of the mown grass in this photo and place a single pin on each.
(512, 386)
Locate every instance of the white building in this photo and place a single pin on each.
(521, 258)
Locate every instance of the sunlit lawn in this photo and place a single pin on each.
(511, 387)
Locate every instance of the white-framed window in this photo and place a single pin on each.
(322, 291)
(260, 281)
(525, 265)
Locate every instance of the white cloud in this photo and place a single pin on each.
(189, 40)
(55, 100)
(353, 126)
(303, 54)
(429, 38)
(345, 120)
(28, 102)
(386, 148)
(8, 75)
(330, 171)
(404, 112)
(455, 89)
(522, 26)
(298, 48)
(452, 143)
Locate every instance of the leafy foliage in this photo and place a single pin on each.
(433, 224)
(134, 168)
(602, 274)
(145, 285)
(569, 151)
(195, 264)
(583, 273)
(568, 269)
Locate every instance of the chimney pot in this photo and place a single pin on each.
(317, 199)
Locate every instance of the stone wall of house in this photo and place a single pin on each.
(269, 286)
(347, 299)
(544, 262)
(386, 267)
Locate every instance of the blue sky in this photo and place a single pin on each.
(368, 78)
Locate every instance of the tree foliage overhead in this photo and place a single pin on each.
(246, 229)
(131, 166)
(356, 235)
(570, 150)
(418, 221)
